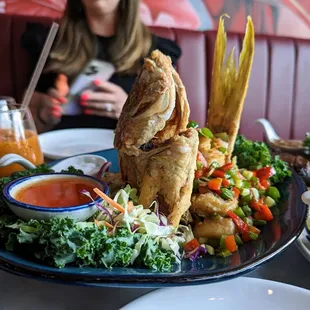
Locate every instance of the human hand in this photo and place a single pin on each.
(51, 106)
(50, 111)
(107, 101)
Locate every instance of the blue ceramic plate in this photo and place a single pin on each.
(275, 238)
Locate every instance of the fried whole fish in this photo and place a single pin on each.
(157, 153)
(156, 109)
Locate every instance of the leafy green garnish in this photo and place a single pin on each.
(255, 155)
(73, 170)
(59, 242)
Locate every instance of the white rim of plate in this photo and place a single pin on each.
(54, 156)
(156, 294)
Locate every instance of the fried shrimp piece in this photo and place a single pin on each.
(210, 203)
(214, 228)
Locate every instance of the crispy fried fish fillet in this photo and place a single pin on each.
(167, 172)
(229, 84)
(170, 175)
(157, 111)
(156, 108)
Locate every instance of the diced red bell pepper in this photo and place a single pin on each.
(215, 184)
(191, 245)
(199, 173)
(236, 192)
(231, 244)
(264, 214)
(265, 183)
(256, 205)
(267, 213)
(225, 182)
(265, 173)
(226, 167)
(218, 174)
(259, 216)
(241, 225)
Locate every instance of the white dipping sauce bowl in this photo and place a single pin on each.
(89, 164)
(27, 211)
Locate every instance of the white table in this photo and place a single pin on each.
(21, 293)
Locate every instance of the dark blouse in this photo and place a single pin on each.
(33, 41)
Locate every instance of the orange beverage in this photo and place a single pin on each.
(18, 135)
(27, 146)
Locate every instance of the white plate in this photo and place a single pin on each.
(240, 293)
(89, 164)
(69, 142)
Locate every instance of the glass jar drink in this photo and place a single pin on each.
(18, 135)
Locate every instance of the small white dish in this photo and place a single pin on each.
(27, 211)
(89, 164)
(60, 144)
(273, 140)
(241, 293)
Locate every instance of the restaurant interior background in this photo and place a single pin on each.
(270, 16)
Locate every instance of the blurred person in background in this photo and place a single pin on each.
(108, 30)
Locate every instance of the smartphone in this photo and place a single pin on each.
(95, 70)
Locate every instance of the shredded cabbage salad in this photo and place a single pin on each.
(148, 222)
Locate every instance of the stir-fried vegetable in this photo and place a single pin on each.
(192, 124)
(256, 155)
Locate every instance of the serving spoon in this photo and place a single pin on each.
(10, 159)
(273, 140)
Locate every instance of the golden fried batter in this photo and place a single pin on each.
(157, 111)
(210, 203)
(156, 107)
(229, 84)
(214, 228)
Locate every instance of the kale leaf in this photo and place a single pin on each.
(58, 242)
(73, 170)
